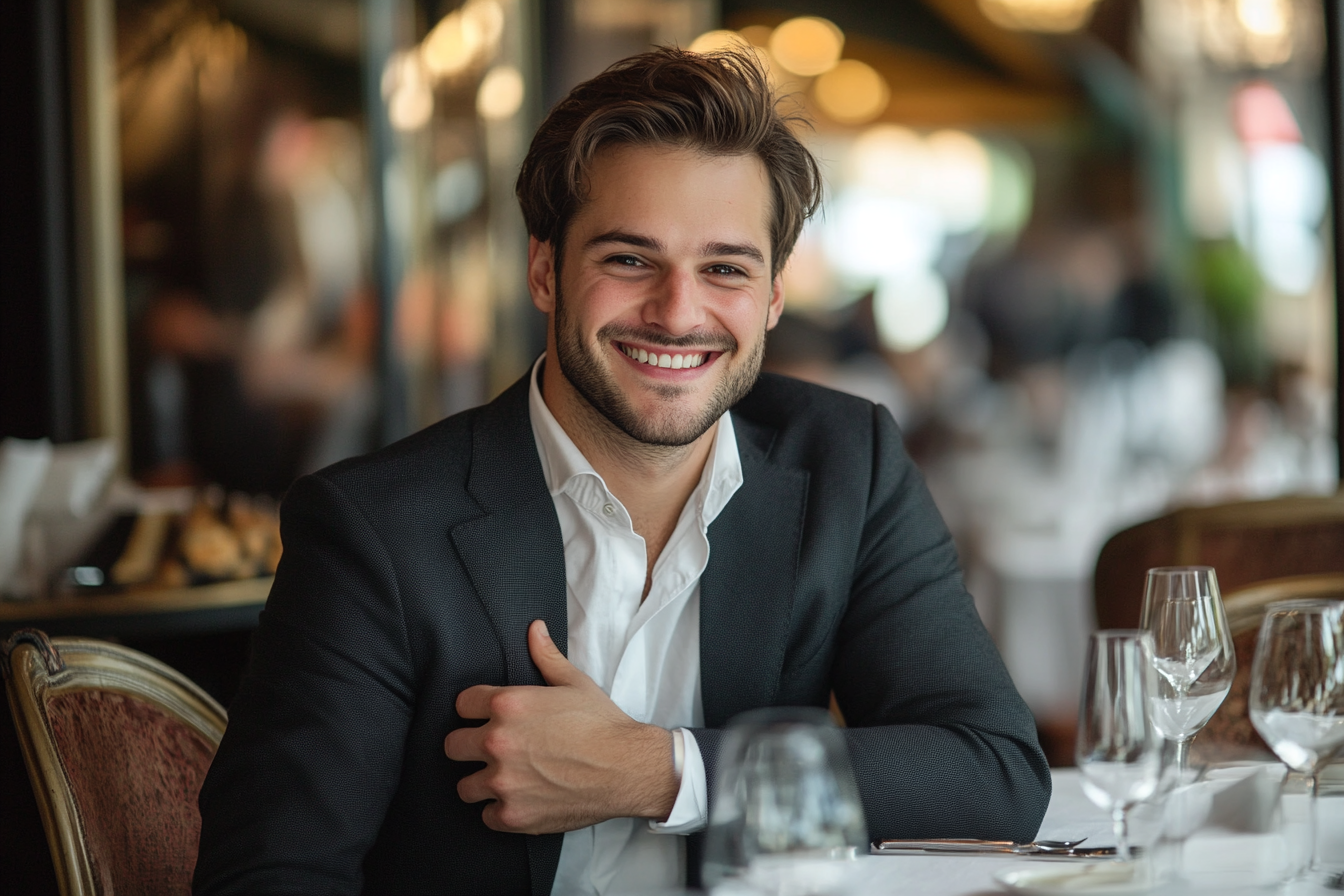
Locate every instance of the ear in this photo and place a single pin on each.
(541, 274)
(776, 302)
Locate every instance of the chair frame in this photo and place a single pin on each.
(37, 667)
(1245, 607)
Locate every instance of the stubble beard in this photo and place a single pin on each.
(669, 428)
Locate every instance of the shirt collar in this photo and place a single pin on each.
(562, 462)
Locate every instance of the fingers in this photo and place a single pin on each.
(474, 788)
(553, 665)
(474, 702)
(466, 745)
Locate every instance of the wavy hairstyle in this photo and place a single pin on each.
(720, 103)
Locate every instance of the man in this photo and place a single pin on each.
(693, 562)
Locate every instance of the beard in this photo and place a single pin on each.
(667, 426)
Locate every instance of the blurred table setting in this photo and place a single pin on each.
(83, 551)
(1137, 815)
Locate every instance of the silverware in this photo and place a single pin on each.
(1066, 848)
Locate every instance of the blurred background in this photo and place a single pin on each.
(1081, 249)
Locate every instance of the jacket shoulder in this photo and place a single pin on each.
(795, 409)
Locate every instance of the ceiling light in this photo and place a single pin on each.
(851, 93)
(716, 40)
(1056, 16)
(501, 93)
(807, 45)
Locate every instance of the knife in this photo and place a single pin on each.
(991, 848)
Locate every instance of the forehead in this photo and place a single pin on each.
(678, 191)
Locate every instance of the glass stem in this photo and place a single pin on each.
(1313, 819)
(1120, 823)
(1182, 759)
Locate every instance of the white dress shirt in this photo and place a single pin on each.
(644, 654)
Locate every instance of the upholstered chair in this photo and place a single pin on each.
(117, 745)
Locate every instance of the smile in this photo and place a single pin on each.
(653, 359)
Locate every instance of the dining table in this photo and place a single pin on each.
(1228, 853)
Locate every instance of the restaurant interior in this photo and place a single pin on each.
(1084, 251)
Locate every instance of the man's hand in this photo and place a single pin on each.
(562, 757)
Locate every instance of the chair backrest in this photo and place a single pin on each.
(1230, 734)
(1247, 543)
(117, 745)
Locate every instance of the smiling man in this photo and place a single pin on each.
(499, 655)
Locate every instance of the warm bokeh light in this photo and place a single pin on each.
(1055, 16)
(851, 93)
(716, 40)
(410, 102)
(1265, 18)
(501, 93)
(961, 169)
(462, 38)
(807, 45)
(757, 35)
(888, 158)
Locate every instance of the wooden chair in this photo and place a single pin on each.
(1229, 735)
(117, 745)
(1263, 551)
(1247, 543)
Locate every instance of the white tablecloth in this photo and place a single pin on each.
(1215, 860)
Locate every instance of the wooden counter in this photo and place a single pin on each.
(223, 606)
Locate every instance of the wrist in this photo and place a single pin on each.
(658, 778)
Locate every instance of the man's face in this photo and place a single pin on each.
(660, 308)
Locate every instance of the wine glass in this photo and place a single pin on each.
(1297, 690)
(1192, 652)
(787, 806)
(1119, 750)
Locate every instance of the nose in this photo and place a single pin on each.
(675, 304)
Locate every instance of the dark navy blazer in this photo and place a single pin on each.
(412, 573)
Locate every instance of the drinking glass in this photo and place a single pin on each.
(788, 819)
(1297, 690)
(1192, 651)
(1119, 750)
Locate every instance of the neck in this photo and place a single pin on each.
(652, 481)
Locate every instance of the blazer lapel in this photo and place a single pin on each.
(514, 554)
(747, 590)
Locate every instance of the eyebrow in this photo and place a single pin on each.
(623, 237)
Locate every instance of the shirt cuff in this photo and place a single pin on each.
(690, 813)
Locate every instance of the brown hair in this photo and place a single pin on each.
(719, 103)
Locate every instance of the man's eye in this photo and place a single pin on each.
(727, 270)
(628, 261)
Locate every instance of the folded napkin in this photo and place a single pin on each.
(23, 467)
(1239, 799)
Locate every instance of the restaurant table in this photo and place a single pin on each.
(171, 612)
(1216, 860)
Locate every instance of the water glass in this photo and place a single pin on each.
(1119, 750)
(1193, 652)
(788, 820)
(1297, 691)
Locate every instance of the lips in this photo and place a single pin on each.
(667, 360)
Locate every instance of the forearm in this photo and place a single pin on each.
(920, 781)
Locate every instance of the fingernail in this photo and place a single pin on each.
(544, 630)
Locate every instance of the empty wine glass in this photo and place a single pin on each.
(788, 820)
(1297, 690)
(1192, 652)
(1119, 750)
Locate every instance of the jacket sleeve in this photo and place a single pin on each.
(311, 758)
(941, 743)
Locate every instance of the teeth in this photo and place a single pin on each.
(671, 362)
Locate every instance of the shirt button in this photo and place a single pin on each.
(609, 509)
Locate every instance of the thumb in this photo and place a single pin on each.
(554, 666)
